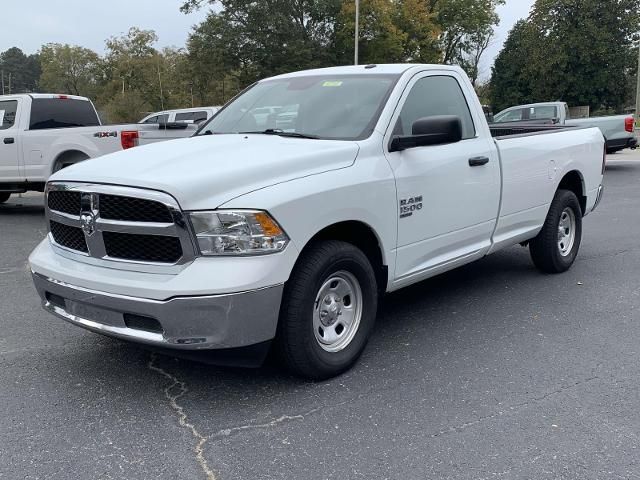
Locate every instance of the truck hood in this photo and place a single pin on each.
(205, 172)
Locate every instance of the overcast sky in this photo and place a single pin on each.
(89, 23)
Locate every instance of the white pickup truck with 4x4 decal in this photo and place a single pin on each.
(43, 133)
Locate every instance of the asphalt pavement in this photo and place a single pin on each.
(491, 371)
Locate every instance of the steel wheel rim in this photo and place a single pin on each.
(566, 231)
(337, 311)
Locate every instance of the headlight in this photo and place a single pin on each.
(237, 233)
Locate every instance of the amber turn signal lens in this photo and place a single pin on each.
(269, 226)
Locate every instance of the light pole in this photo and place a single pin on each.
(357, 31)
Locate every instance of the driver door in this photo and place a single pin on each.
(447, 203)
(9, 141)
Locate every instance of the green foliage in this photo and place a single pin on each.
(511, 81)
(579, 51)
(70, 69)
(242, 41)
(19, 71)
(274, 36)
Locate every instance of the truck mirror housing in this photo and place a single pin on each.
(436, 130)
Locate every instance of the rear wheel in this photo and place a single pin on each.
(328, 310)
(4, 197)
(555, 248)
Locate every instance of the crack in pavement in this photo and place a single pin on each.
(183, 420)
(226, 432)
(284, 418)
(511, 408)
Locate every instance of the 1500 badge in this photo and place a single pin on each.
(410, 205)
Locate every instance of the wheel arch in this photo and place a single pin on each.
(68, 157)
(574, 182)
(362, 236)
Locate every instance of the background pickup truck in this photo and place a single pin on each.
(41, 134)
(243, 239)
(194, 115)
(618, 130)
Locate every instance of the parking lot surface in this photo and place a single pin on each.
(490, 371)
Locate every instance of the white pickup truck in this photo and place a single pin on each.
(239, 240)
(618, 130)
(43, 133)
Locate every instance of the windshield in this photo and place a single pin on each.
(340, 107)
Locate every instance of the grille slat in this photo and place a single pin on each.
(130, 209)
(148, 248)
(65, 202)
(69, 237)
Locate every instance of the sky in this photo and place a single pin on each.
(89, 23)
(510, 13)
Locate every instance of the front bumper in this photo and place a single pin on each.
(180, 323)
(598, 197)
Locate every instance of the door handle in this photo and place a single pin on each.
(478, 161)
(9, 141)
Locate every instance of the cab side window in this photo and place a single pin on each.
(432, 96)
(158, 119)
(8, 111)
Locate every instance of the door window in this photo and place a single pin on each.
(158, 119)
(545, 112)
(432, 96)
(510, 116)
(8, 111)
(197, 117)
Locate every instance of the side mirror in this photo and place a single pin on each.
(437, 130)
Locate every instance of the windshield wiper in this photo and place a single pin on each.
(282, 133)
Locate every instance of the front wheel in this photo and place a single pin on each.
(328, 310)
(555, 248)
(4, 197)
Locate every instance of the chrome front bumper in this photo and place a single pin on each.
(183, 323)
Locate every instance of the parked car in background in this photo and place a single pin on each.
(618, 130)
(238, 238)
(43, 133)
(195, 115)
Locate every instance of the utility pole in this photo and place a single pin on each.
(2, 82)
(357, 31)
(161, 93)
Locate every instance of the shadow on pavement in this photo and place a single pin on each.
(413, 322)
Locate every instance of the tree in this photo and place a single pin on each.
(511, 79)
(258, 39)
(70, 69)
(579, 51)
(133, 69)
(381, 38)
(20, 72)
(464, 25)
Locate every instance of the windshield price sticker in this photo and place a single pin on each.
(1, 117)
(334, 83)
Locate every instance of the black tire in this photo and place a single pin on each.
(4, 197)
(545, 250)
(296, 344)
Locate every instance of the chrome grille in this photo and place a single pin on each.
(129, 209)
(65, 202)
(118, 224)
(68, 237)
(148, 248)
